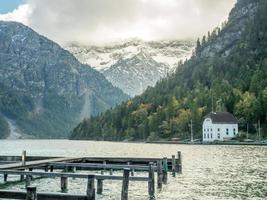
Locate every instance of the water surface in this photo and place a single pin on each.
(209, 172)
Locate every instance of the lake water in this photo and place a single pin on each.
(209, 172)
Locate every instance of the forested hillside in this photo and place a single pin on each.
(228, 70)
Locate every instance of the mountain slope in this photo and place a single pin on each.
(44, 89)
(235, 81)
(134, 65)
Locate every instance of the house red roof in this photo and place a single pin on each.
(222, 118)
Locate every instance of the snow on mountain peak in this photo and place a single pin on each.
(160, 56)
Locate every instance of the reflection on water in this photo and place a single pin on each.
(209, 172)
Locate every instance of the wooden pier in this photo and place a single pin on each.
(28, 168)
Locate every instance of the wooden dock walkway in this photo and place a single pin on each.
(36, 163)
(28, 168)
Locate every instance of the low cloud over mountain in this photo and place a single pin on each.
(101, 21)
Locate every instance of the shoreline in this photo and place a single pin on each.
(155, 142)
(217, 143)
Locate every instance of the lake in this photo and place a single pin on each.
(209, 172)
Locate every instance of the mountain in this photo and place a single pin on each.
(44, 90)
(135, 64)
(227, 72)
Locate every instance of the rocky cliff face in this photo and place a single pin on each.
(134, 65)
(230, 34)
(52, 88)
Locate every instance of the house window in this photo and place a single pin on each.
(211, 129)
(208, 130)
(204, 136)
(234, 131)
(219, 136)
(208, 136)
(204, 129)
(211, 135)
(218, 129)
(227, 131)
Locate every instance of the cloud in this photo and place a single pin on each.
(21, 14)
(100, 21)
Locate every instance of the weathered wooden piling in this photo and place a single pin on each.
(99, 186)
(64, 184)
(151, 182)
(23, 162)
(132, 170)
(31, 193)
(165, 170)
(5, 178)
(179, 162)
(104, 168)
(173, 166)
(125, 184)
(74, 169)
(159, 173)
(91, 187)
(22, 176)
(51, 168)
(23, 158)
(31, 177)
(28, 181)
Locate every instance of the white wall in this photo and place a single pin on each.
(219, 132)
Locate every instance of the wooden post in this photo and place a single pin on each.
(22, 176)
(99, 186)
(23, 163)
(173, 165)
(64, 184)
(125, 184)
(111, 172)
(51, 168)
(74, 169)
(104, 167)
(31, 177)
(28, 181)
(160, 174)
(23, 158)
(165, 170)
(132, 170)
(151, 182)
(31, 193)
(91, 187)
(179, 162)
(5, 178)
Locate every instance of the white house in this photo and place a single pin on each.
(219, 126)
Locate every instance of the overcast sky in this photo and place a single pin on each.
(103, 21)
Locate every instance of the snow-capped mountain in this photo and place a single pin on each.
(134, 65)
